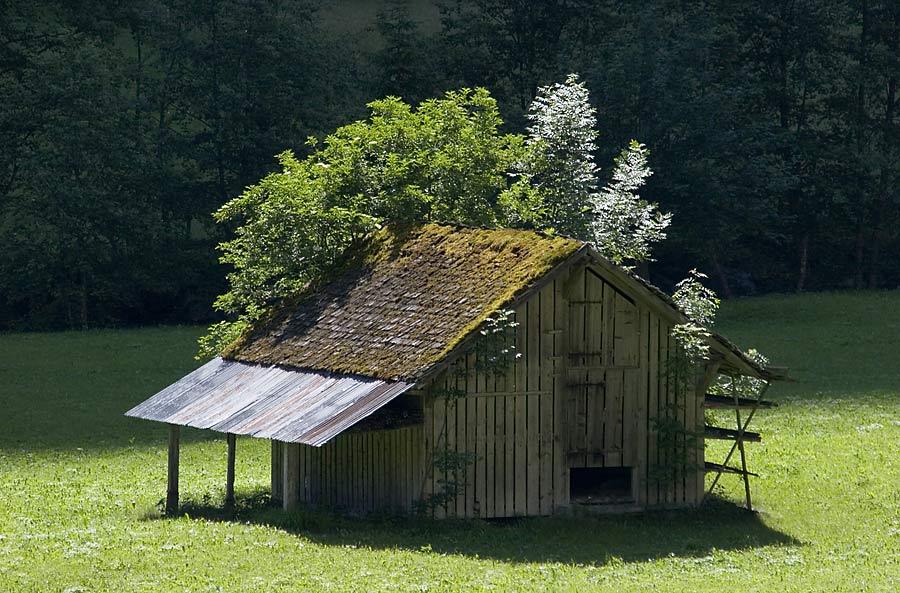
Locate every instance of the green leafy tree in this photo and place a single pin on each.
(624, 226)
(560, 173)
(559, 166)
(444, 161)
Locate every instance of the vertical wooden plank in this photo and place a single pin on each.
(549, 332)
(577, 323)
(475, 436)
(324, 475)
(610, 331)
(316, 493)
(667, 494)
(521, 459)
(229, 469)
(596, 334)
(440, 444)
(532, 455)
(403, 476)
(304, 473)
(509, 444)
(500, 456)
(689, 414)
(411, 474)
(612, 415)
(458, 410)
(598, 409)
(348, 471)
(653, 376)
(384, 494)
(312, 476)
(328, 474)
(531, 445)
(398, 487)
(359, 471)
(371, 471)
(490, 456)
(595, 327)
(628, 328)
(481, 451)
(339, 466)
(561, 359)
(469, 434)
(418, 463)
(291, 476)
(359, 459)
(630, 394)
(495, 434)
(639, 482)
(679, 403)
(390, 469)
(466, 444)
(172, 477)
(276, 472)
(426, 490)
(343, 448)
(451, 446)
(405, 441)
(378, 450)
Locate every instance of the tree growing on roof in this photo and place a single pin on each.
(559, 167)
(443, 161)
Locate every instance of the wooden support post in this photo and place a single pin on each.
(172, 490)
(291, 494)
(740, 441)
(231, 439)
(707, 378)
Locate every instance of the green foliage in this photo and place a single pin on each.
(559, 173)
(495, 349)
(624, 227)
(443, 161)
(559, 165)
(700, 304)
(742, 386)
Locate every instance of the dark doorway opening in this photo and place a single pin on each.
(600, 485)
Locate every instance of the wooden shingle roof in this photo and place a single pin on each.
(413, 296)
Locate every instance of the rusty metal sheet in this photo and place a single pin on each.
(268, 401)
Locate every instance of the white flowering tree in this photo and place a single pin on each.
(560, 167)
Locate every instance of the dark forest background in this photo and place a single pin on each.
(123, 124)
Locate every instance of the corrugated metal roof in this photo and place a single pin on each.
(268, 402)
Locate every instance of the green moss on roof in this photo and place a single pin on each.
(407, 298)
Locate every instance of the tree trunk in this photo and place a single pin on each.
(720, 272)
(804, 260)
(860, 255)
(83, 301)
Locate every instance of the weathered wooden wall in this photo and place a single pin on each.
(377, 470)
(589, 390)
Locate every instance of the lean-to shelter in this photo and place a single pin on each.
(466, 372)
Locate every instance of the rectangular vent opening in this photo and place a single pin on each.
(600, 485)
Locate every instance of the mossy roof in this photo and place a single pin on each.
(405, 302)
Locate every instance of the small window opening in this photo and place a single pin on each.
(600, 485)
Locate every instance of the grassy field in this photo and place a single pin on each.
(80, 485)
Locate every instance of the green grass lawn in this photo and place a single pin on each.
(80, 484)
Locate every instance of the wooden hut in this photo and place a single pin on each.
(466, 372)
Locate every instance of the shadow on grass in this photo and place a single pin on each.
(582, 539)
